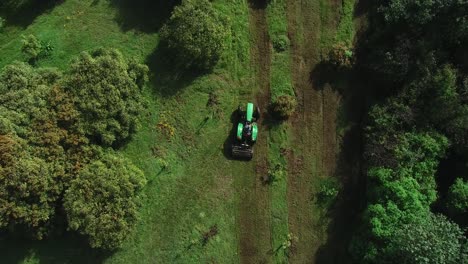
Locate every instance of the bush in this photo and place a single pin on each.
(275, 174)
(457, 198)
(31, 47)
(102, 201)
(328, 191)
(35, 49)
(284, 106)
(281, 43)
(196, 34)
(341, 56)
(107, 91)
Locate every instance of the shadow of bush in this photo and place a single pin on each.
(25, 15)
(143, 15)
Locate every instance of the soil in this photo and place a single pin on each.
(254, 217)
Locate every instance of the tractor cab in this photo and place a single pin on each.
(247, 131)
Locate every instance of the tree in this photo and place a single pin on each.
(196, 34)
(432, 239)
(29, 188)
(102, 201)
(457, 198)
(107, 93)
(25, 93)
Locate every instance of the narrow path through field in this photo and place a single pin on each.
(254, 216)
(313, 155)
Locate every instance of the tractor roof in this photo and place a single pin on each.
(250, 109)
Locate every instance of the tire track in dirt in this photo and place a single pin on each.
(314, 135)
(254, 217)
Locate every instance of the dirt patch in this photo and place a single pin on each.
(314, 130)
(254, 216)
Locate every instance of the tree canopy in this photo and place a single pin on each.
(107, 94)
(45, 158)
(196, 34)
(102, 200)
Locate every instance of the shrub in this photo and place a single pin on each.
(31, 47)
(275, 174)
(341, 56)
(328, 191)
(35, 49)
(457, 198)
(196, 34)
(281, 43)
(102, 200)
(284, 106)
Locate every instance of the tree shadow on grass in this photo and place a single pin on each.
(69, 248)
(353, 87)
(26, 15)
(167, 76)
(144, 15)
(258, 4)
(346, 211)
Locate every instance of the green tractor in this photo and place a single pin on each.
(246, 133)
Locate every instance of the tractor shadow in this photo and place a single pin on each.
(231, 138)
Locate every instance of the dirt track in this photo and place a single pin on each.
(314, 144)
(254, 216)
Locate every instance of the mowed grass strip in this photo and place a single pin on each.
(279, 133)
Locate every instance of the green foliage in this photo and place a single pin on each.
(281, 43)
(457, 198)
(284, 106)
(24, 94)
(31, 47)
(400, 191)
(328, 191)
(275, 174)
(107, 91)
(43, 151)
(196, 33)
(341, 56)
(346, 29)
(34, 49)
(432, 239)
(29, 188)
(102, 200)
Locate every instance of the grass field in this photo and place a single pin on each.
(181, 146)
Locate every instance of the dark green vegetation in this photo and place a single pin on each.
(196, 34)
(419, 78)
(47, 161)
(100, 202)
